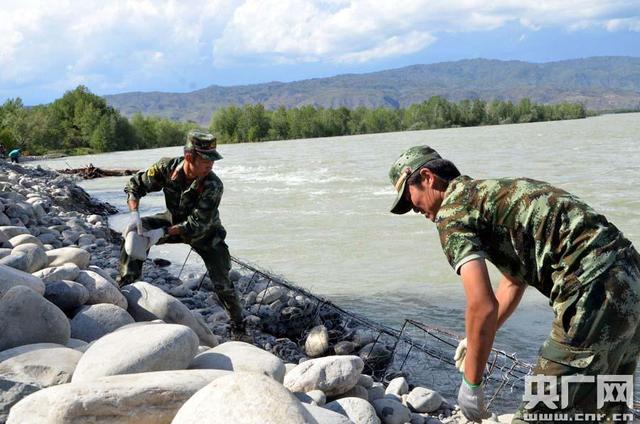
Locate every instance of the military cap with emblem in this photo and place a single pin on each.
(408, 162)
(203, 144)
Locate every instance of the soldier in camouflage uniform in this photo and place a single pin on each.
(536, 235)
(192, 194)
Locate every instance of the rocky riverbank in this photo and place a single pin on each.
(75, 349)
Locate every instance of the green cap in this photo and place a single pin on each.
(408, 162)
(203, 143)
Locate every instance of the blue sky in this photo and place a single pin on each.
(50, 46)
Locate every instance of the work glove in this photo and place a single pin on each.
(471, 401)
(154, 235)
(461, 353)
(135, 224)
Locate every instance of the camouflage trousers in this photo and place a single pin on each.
(213, 251)
(595, 332)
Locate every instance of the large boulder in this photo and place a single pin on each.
(421, 399)
(333, 375)
(357, 410)
(36, 255)
(64, 255)
(147, 398)
(100, 289)
(66, 295)
(41, 364)
(94, 321)
(26, 317)
(246, 398)
(391, 411)
(67, 271)
(11, 230)
(138, 348)
(10, 277)
(325, 416)
(240, 356)
(24, 239)
(17, 260)
(147, 302)
(317, 342)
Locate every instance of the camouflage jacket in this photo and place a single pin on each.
(538, 234)
(193, 205)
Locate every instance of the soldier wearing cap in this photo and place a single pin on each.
(192, 194)
(536, 235)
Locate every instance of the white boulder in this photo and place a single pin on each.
(94, 321)
(333, 375)
(357, 410)
(100, 289)
(64, 255)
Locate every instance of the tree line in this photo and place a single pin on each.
(81, 122)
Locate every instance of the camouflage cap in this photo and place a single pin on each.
(408, 162)
(203, 143)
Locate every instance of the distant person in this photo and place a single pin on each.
(192, 193)
(536, 235)
(14, 155)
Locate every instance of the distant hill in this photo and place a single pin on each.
(600, 83)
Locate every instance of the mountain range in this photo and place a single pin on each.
(600, 83)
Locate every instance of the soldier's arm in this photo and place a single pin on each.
(509, 294)
(481, 318)
(143, 182)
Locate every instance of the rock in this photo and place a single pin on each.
(344, 347)
(246, 398)
(94, 321)
(325, 416)
(48, 238)
(333, 375)
(66, 295)
(357, 410)
(4, 252)
(94, 219)
(376, 391)
(317, 341)
(271, 294)
(68, 271)
(11, 392)
(10, 277)
(288, 367)
(104, 274)
(100, 289)
(240, 356)
(36, 255)
(317, 396)
(17, 260)
(11, 230)
(417, 418)
(304, 398)
(398, 386)
(24, 239)
(363, 337)
(391, 411)
(79, 345)
(375, 355)
(365, 381)
(146, 398)
(138, 348)
(421, 399)
(4, 221)
(26, 317)
(356, 392)
(147, 303)
(64, 255)
(39, 364)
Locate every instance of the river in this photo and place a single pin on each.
(316, 210)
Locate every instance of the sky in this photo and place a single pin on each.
(113, 46)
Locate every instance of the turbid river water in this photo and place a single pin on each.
(316, 211)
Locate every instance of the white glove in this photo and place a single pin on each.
(471, 402)
(154, 235)
(135, 223)
(461, 353)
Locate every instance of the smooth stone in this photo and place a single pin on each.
(317, 341)
(365, 381)
(36, 256)
(421, 399)
(94, 321)
(48, 238)
(94, 219)
(147, 302)
(398, 386)
(4, 221)
(288, 367)
(271, 294)
(344, 347)
(66, 295)
(417, 418)
(304, 398)
(68, 271)
(325, 416)
(24, 239)
(64, 255)
(12, 392)
(16, 260)
(375, 354)
(138, 348)
(317, 396)
(376, 391)
(40, 364)
(79, 345)
(356, 392)
(391, 411)
(26, 317)
(246, 398)
(4, 252)
(240, 356)
(12, 230)
(104, 274)
(100, 289)
(146, 398)
(333, 375)
(357, 410)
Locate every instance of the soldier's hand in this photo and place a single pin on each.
(154, 235)
(134, 224)
(471, 401)
(461, 353)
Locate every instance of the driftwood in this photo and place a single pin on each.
(90, 172)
